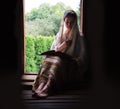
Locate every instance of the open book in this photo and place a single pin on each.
(56, 53)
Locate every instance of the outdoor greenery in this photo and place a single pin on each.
(45, 20)
(41, 25)
(34, 47)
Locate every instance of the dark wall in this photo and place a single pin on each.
(101, 31)
(8, 44)
(112, 39)
(9, 78)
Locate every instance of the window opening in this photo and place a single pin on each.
(41, 23)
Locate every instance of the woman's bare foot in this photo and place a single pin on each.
(42, 93)
(38, 90)
(46, 86)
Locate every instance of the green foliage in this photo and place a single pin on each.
(40, 27)
(44, 11)
(30, 54)
(39, 48)
(42, 44)
(32, 15)
(34, 47)
(49, 41)
(45, 20)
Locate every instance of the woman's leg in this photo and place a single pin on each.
(38, 82)
(38, 90)
(44, 90)
(47, 76)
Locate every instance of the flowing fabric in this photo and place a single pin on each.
(77, 49)
(59, 68)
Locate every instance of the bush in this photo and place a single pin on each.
(30, 54)
(34, 47)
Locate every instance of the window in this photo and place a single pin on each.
(43, 20)
(22, 47)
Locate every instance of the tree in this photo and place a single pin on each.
(32, 15)
(45, 20)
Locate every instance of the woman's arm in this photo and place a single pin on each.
(64, 45)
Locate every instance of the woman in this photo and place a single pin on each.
(65, 57)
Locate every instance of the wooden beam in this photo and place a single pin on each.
(81, 16)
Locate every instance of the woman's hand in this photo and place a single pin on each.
(63, 46)
(68, 42)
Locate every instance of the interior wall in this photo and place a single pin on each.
(103, 41)
(9, 56)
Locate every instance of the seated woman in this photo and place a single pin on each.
(64, 60)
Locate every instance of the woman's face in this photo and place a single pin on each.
(69, 21)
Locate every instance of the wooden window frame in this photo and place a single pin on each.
(22, 48)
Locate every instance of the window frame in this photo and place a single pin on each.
(31, 76)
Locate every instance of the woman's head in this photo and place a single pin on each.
(68, 26)
(69, 18)
(70, 31)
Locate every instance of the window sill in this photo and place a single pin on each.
(28, 79)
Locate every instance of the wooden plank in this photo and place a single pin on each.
(28, 77)
(54, 101)
(27, 83)
(58, 97)
(65, 92)
(57, 105)
(67, 95)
